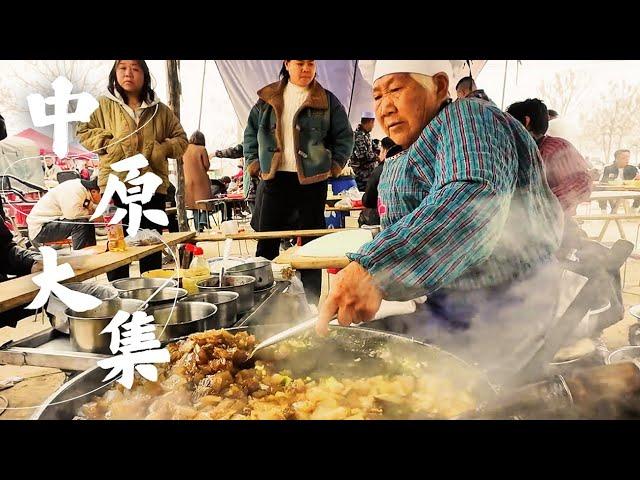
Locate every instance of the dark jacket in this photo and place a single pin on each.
(14, 260)
(363, 159)
(231, 152)
(629, 173)
(218, 187)
(3, 129)
(370, 215)
(323, 136)
(479, 94)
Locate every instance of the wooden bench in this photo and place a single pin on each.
(608, 218)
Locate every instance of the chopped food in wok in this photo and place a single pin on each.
(209, 378)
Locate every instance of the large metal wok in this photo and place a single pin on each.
(346, 352)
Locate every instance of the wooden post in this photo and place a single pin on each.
(175, 90)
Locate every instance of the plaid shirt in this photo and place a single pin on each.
(467, 206)
(567, 172)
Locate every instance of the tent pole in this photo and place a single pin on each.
(504, 84)
(175, 89)
(353, 85)
(204, 70)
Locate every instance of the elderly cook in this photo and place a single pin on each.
(469, 220)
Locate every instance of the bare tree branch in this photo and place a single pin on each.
(563, 91)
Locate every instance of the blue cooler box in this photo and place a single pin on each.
(340, 184)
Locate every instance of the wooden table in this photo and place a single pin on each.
(611, 187)
(343, 209)
(615, 197)
(21, 290)
(342, 212)
(221, 237)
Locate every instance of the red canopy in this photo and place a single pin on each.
(45, 143)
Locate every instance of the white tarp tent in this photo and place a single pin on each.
(349, 80)
(15, 148)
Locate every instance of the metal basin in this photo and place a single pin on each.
(56, 308)
(227, 303)
(624, 354)
(126, 284)
(85, 327)
(165, 296)
(356, 352)
(183, 319)
(261, 271)
(241, 284)
(635, 311)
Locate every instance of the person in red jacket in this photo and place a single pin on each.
(567, 171)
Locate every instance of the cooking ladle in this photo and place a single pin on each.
(285, 334)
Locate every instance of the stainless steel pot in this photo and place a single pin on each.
(241, 284)
(85, 327)
(126, 284)
(56, 308)
(183, 319)
(165, 296)
(624, 354)
(261, 271)
(227, 303)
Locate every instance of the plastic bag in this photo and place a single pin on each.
(56, 308)
(296, 290)
(215, 263)
(345, 202)
(143, 238)
(352, 194)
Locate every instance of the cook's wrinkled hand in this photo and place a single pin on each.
(354, 297)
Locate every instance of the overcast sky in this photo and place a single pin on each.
(219, 122)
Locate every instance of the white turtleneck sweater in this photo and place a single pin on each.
(294, 97)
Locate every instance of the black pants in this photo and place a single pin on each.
(150, 262)
(282, 199)
(10, 318)
(82, 233)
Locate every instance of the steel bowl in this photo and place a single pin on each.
(261, 271)
(59, 320)
(624, 354)
(126, 284)
(165, 296)
(227, 303)
(635, 311)
(183, 319)
(85, 327)
(241, 284)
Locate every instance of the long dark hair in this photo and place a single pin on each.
(284, 73)
(146, 94)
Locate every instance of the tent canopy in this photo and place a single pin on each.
(45, 145)
(20, 157)
(350, 80)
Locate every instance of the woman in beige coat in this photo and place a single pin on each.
(196, 180)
